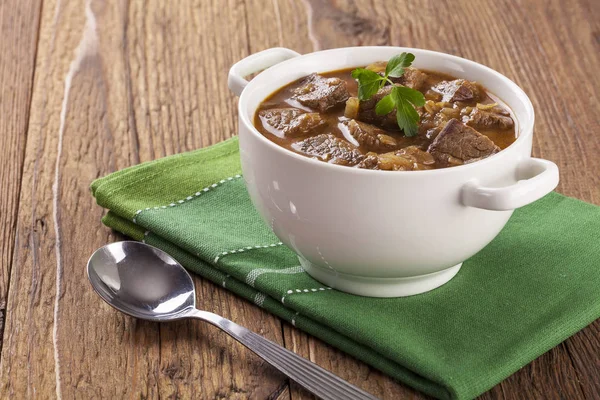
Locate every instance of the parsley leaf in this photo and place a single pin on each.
(405, 100)
(402, 98)
(395, 67)
(414, 96)
(369, 82)
(385, 105)
(407, 118)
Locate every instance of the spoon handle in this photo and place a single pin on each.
(315, 379)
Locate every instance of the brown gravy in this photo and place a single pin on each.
(433, 118)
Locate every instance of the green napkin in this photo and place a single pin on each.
(534, 286)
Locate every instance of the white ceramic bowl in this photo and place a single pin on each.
(383, 233)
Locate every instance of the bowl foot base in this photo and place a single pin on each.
(379, 287)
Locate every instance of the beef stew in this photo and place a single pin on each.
(320, 116)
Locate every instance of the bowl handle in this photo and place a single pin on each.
(537, 178)
(254, 63)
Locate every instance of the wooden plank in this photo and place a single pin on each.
(19, 24)
(115, 84)
(548, 58)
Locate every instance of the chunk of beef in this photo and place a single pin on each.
(412, 78)
(459, 90)
(365, 110)
(330, 148)
(278, 118)
(481, 119)
(369, 136)
(459, 144)
(369, 162)
(291, 122)
(410, 158)
(321, 93)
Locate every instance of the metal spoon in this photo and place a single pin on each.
(147, 283)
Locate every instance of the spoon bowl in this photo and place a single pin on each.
(147, 283)
(142, 281)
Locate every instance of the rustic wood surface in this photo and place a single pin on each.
(90, 88)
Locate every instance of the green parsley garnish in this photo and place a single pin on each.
(402, 98)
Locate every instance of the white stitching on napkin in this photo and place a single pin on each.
(188, 198)
(259, 299)
(294, 318)
(309, 290)
(136, 214)
(255, 273)
(244, 249)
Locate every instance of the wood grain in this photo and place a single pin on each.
(105, 98)
(113, 84)
(19, 24)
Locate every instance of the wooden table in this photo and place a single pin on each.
(88, 89)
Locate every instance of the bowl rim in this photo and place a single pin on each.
(521, 137)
